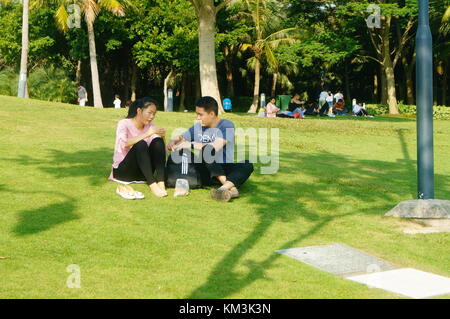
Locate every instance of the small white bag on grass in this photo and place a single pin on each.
(181, 187)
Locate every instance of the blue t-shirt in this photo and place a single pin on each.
(204, 134)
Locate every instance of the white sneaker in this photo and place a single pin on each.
(331, 115)
(125, 194)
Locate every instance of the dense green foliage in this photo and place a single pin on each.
(439, 112)
(137, 52)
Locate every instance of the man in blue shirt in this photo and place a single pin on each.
(214, 137)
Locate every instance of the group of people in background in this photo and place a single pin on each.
(328, 104)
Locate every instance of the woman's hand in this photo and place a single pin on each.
(153, 130)
(161, 132)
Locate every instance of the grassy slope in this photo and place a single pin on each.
(336, 180)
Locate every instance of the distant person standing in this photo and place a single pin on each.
(323, 102)
(82, 95)
(330, 101)
(117, 102)
(338, 96)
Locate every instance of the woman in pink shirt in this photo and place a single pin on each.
(139, 152)
(271, 108)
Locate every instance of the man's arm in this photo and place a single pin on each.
(218, 144)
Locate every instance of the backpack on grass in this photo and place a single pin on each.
(181, 165)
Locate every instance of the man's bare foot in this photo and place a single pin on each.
(221, 194)
(234, 192)
(157, 191)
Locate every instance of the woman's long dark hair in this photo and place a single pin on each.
(143, 103)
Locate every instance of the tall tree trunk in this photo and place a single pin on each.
(166, 87)
(22, 87)
(392, 98)
(274, 84)
(134, 71)
(183, 92)
(96, 92)
(78, 72)
(389, 67)
(229, 71)
(206, 13)
(254, 105)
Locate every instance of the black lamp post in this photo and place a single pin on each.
(424, 89)
(425, 207)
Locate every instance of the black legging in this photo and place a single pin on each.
(142, 161)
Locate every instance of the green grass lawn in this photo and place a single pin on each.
(336, 180)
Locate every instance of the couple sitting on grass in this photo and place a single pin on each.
(140, 152)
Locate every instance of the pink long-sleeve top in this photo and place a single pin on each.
(271, 110)
(126, 130)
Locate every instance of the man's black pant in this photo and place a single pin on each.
(237, 173)
(142, 161)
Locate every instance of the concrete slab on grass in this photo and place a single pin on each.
(407, 282)
(338, 259)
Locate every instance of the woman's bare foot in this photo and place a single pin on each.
(162, 185)
(125, 189)
(157, 190)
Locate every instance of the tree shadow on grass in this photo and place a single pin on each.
(93, 164)
(39, 219)
(334, 181)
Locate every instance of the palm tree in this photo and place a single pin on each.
(280, 72)
(206, 12)
(266, 39)
(90, 9)
(24, 55)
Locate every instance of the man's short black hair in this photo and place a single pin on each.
(209, 104)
